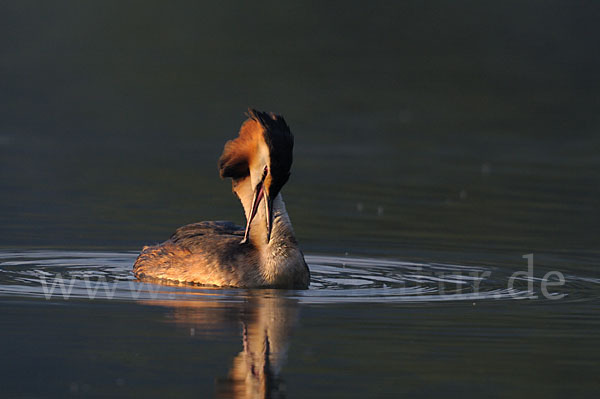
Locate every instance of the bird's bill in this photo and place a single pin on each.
(269, 215)
(259, 195)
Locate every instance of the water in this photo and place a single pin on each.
(436, 146)
(334, 280)
(368, 326)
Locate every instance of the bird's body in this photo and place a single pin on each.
(266, 253)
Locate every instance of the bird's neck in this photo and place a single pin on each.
(282, 231)
(281, 259)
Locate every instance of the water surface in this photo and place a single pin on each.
(80, 323)
(437, 143)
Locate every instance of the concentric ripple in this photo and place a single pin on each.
(64, 275)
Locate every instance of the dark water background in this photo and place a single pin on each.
(454, 136)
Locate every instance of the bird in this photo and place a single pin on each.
(264, 254)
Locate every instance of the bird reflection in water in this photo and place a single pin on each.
(267, 321)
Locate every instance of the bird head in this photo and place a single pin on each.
(259, 160)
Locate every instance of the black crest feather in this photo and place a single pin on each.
(280, 140)
(276, 133)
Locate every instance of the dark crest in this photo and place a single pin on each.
(276, 133)
(281, 147)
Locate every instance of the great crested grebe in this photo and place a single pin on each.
(266, 253)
